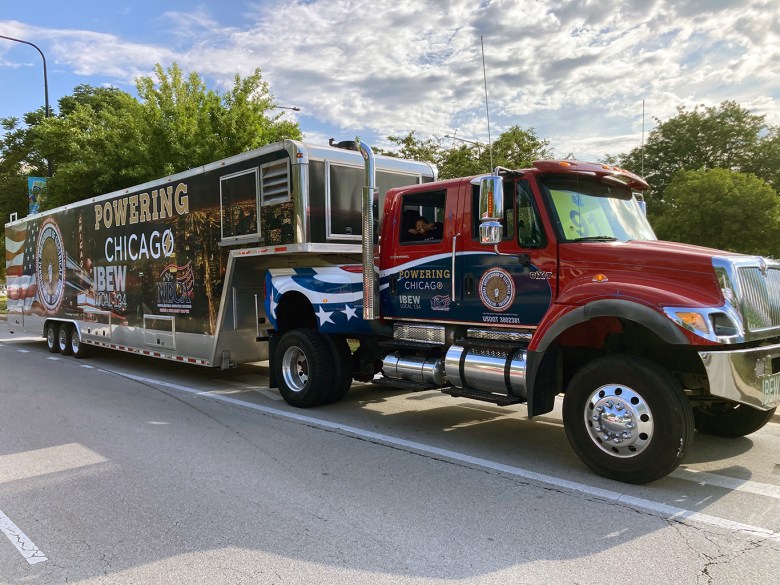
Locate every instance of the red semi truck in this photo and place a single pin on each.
(513, 288)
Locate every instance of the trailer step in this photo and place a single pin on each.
(499, 399)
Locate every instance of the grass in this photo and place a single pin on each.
(3, 304)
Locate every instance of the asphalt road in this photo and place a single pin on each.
(122, 469)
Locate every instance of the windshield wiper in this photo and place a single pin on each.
(595, 239)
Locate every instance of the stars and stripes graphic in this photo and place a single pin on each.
(20, 244)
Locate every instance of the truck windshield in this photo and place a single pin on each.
(592, 209)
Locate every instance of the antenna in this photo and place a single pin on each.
(487, 109)
(642, 150)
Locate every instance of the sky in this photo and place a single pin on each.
(591, 76)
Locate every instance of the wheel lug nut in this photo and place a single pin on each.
(619, 406)
(626, 435)
(610, 404)
(617, 440)
(630, 425)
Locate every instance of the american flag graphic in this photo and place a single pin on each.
(20, 244)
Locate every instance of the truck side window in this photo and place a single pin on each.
(529, 226)
(422, 217)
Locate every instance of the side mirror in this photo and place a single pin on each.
(491, 210)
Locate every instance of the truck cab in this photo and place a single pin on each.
(520, 285)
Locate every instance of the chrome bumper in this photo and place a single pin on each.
(747, 376)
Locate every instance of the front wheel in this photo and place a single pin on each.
(627, 419)
(304, 368)
(729, 419)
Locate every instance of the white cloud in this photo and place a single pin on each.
(575, 71)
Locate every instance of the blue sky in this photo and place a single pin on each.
(577, 72)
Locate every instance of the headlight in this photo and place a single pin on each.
(712, 324)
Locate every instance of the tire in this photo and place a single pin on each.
(304, 368)
(63, 339)
(730, 419)
(78, 349)
(627, 419)
(52, 337)
(342, 367)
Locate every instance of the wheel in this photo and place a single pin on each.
(304, 368)
(52, 337)
(78, 349)
(342, 367)
(63, 339)
(730, 419)
(627, 419)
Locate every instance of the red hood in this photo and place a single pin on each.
(661, 273)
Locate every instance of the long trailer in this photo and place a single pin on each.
(174, 268)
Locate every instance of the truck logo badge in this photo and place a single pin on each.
(50, 266)
(440, 303)
(496, 289)
(762, 267)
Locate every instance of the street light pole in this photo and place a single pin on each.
(45, 80)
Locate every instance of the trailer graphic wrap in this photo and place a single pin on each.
(335, 293)
(119, 258)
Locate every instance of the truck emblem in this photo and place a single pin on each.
(50, 266)
(497, 289)
(762, 267)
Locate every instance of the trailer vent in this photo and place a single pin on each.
(275, 182)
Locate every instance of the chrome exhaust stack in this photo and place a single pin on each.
(370, 288)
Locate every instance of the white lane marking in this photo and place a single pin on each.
(23, 350)
(664, 510)
(729, 483)
(24, 545)
(53, 358)
(87, 366)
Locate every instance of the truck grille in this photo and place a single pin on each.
(759, 297)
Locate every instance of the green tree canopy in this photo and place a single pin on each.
(515, 148)
(721, 209)
(727, 136)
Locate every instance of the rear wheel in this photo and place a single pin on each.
(304, 368)
(627, 419)
(729, 419)
(63, 339)
(342, 367)
(52, 337)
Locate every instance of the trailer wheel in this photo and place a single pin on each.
(627, 419)
(304, 368)
(729, 419)
(342, 367)
(63, 339)
(78, 349)
(52, 337)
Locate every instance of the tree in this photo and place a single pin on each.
(104, 139)
(721, 209)
(727, 136)
(515, 148)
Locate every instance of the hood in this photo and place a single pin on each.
(659, 272)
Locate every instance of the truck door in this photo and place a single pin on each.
(513, 288)
(416, 281)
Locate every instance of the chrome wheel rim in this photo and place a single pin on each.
(63, 338)
(295, 369)
(619, 421)
(51, 339)
(74, 342)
